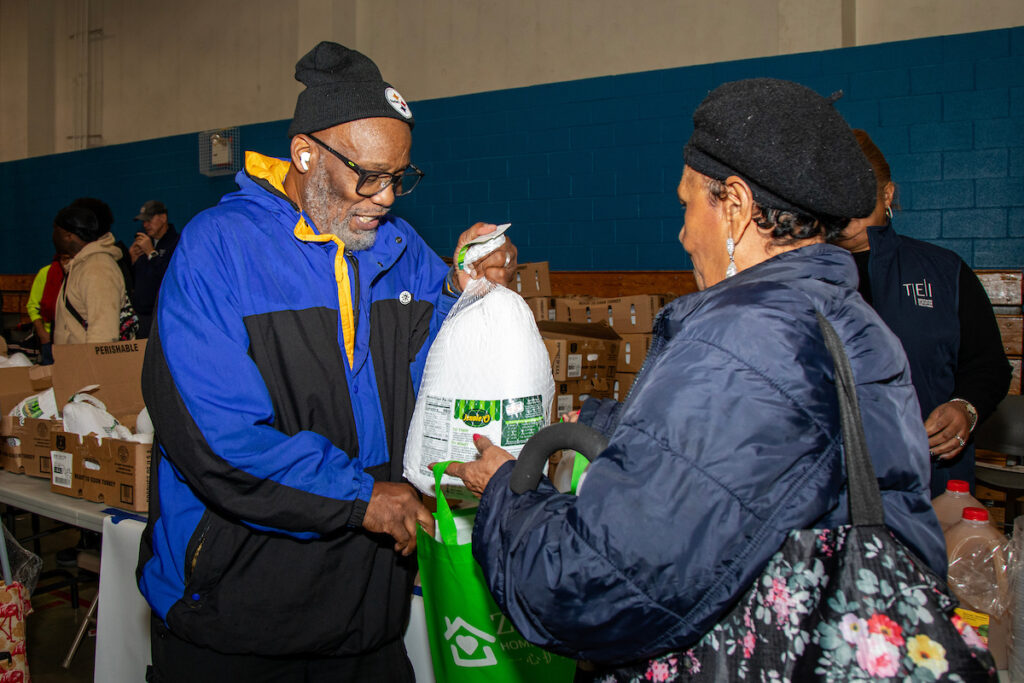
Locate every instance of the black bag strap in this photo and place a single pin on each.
(74, 312)
(865, 498)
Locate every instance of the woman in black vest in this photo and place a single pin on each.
(935, 304)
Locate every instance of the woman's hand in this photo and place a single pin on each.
(478, 473)
(947, 422)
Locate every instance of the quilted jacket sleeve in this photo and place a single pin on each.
(709, 467)
(601, 414)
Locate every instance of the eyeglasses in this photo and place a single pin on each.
(371, 183)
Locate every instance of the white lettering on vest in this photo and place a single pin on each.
(920, 292)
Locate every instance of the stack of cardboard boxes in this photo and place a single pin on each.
(24, 442)
(583, 357)
(596, 345)
(109, 471)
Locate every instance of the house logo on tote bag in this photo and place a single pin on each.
(471, 641)
(463, 637)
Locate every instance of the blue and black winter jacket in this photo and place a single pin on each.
(281, 376)
(729, 439)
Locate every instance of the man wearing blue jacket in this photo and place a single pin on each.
(281, 374)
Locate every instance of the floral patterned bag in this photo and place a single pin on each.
(844, 604)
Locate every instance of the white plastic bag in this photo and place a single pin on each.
(487, 373)
(41, 406)
(85, 414)
(143, 423)
(15, 360)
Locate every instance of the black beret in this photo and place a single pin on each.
(788, 143)
(342, 85)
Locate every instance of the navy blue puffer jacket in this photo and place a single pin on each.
(729, 439)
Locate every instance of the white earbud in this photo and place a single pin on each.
(304, 160)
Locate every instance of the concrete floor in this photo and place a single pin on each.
(53, 623)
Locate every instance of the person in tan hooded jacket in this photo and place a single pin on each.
(94, 285)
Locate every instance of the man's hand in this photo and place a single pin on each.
(498, 267)
(948, 421)
(478, 473)
(135, 251)
(143, 242)
(395, 509)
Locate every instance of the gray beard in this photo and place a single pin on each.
(318, 199)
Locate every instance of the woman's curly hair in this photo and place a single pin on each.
(784, 226)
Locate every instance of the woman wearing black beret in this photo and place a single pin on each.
(729, 438)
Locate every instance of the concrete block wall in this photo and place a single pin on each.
(33, 190)
(586, 170)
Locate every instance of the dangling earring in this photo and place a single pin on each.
(730, 247)
(888, 213)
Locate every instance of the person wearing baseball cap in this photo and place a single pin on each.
(150, 254)
(290, 338)
(150, 209)
(730, 438)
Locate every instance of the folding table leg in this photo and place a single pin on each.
(82, 628)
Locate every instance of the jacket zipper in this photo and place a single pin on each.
(354, 284)
(194, 553)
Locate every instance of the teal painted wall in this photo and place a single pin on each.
(586, 170)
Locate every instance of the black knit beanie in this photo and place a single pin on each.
(790, 145)
(81, 222)
(342, 85)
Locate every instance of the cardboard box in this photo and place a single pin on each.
(632, 352)
(115, 366)
(26, 445)
(627, 314)
(68, 453)
(1003, 287)
(541, 307)
(18, 383)
(533, 279)
(109, 471)
(589, 310)
(570, 394)
(1011, 328)
(562, 306)
(24, 441)
(578, 350)
(622, 384)
(635, 314)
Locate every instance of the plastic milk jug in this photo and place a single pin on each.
(951, 503)
(977, 576)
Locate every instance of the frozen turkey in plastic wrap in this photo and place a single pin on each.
(487, 373)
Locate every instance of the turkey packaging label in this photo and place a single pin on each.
(487, 373)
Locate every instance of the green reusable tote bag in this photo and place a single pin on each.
(471, 641)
